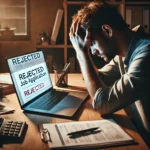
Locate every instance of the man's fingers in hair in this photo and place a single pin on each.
(71, 29)
(88, 32)
(77, 28)
(87, 38)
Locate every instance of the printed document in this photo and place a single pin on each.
(108, 133)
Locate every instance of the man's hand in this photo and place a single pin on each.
(79, 41)
(82, 44)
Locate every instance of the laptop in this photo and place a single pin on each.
(35, 91)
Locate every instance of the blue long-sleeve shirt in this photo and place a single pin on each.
(128, 84)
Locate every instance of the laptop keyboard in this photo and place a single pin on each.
(48, 100)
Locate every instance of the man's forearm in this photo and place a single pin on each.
(90, 74)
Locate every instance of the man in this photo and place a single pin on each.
(125, 81)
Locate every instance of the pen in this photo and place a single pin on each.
(83, 131)
(63, 74)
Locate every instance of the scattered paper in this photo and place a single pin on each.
(5, 109)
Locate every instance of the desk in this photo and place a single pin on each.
(32, 139)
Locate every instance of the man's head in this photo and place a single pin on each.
(102, 19)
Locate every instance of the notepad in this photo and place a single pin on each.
(109, 133)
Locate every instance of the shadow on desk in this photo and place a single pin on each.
(123, 121)
(86, 110)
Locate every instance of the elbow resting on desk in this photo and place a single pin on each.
(103, 104)
(103, 108)
(99, 101)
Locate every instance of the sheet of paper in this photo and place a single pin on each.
(5, 78)
(110, 132)
(5, 109)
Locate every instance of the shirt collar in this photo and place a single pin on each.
(131, 49)
(133, 43)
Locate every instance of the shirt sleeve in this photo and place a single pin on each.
(127, 89)
(110, 72)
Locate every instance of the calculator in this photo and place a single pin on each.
(12, 131)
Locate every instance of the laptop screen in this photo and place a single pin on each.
(30, 75)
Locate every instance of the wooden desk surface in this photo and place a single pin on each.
(32, 139)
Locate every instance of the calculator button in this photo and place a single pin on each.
(12, 130)
(6, 129)
(13, 127)
(18, 128)
(11, 133)
(8, 126)
(19, 125)
(17, 131)
(8, 123)
(14, 124)
(16, 134)
(5, 132)
(20, 122)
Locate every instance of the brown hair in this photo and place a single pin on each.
(97, 13)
